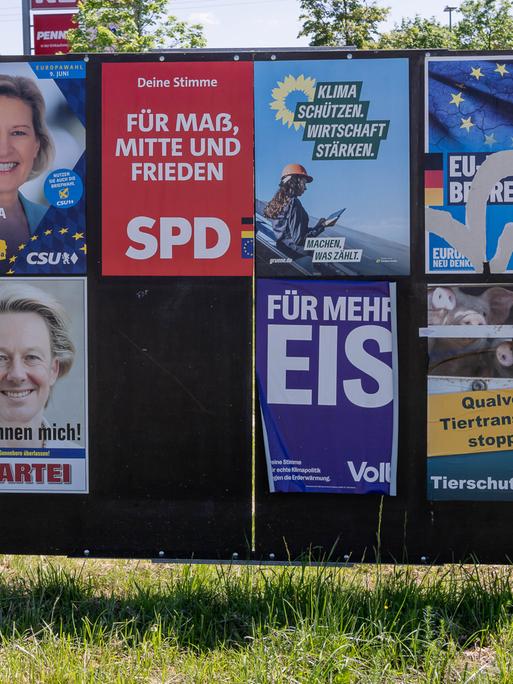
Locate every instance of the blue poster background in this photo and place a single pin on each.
(55, 200)
(470, 104)
(374, 192)
(329, 443)
(486, 473)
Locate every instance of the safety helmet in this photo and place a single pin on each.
(295, 170)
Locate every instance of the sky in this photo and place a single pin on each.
(233, 23)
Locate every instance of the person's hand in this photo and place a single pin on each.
(318, 228)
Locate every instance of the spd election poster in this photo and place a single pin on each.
(326, 362)
(468, 165)
(177, 168)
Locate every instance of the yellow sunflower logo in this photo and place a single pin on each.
(301, 84)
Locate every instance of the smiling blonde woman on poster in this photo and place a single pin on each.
(26, 149)
(35, 351)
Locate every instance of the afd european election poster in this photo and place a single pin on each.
(468, 165)
(177, 161)
(470, 392)
(326, 361)
(43, 385)
(42, 168)
(332, 167)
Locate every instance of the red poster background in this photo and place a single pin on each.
(53, 4)
(50, 24)
(123, 199)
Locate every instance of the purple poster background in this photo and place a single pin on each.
(327, 382)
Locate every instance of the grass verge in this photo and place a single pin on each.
(64, 620)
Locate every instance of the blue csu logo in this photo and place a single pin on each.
(63, 188)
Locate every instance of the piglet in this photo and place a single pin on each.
(500, 359)
(441, 300)
(466, 356)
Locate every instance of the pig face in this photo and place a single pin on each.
(451, 306)
(472, 357)
(494, 304)
(441, 300)
(503, 362)
(496, 360)
(504, 354)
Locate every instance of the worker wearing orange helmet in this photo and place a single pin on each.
(289, 218)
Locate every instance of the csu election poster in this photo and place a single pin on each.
(469, 162)
(43, 385)
(332, 167)
(470, 392)
(326, 360)
(42, 168)
(177, 160)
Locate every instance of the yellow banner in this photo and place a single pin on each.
(470, 422)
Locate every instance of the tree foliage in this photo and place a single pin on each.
(130, 26)
(417, 33)
(341, 22)
(482, 25)
(485, 25)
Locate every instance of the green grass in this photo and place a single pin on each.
(65, 620)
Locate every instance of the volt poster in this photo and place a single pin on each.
(177, 169)
(327, 382)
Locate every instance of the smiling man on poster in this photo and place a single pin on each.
(43, 394)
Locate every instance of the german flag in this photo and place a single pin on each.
(247, 237)
(434, 180)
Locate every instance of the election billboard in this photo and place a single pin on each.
(326, 362)
(470, 392)
(332, 167)
(177, 168)
(468, 179)
(43, 386)
(42, 180)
